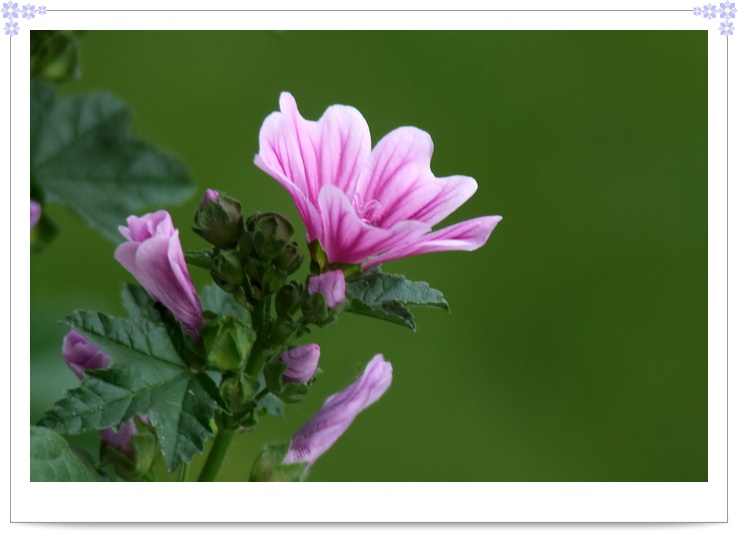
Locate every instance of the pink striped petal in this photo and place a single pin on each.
(464, 236)
(312, 154)
(399, 178)
(347, 239)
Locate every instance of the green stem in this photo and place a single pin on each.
(258, 355)
(185, 472)
(216, 455)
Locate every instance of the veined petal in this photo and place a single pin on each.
(464, 236)
(399, 178)
(312, 154)
(348, 239)
(308, 211)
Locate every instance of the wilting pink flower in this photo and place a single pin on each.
(80, 354)
(338, 412)
(154, 256)
(211, 195)
(35, 213)
(366, 206)
(332, 285)
(302, 362)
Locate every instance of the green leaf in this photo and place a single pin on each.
(148, 376)
(386, 296)
(84, 155)
(52, 459)
(139, 304)
(394, 312)
(220, 302)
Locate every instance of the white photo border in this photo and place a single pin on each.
(393, 502)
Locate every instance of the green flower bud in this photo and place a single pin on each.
(273, 279)
(227, 341)
(289, 259)
(287, 300)
(271, 232)
(314, 308)
(227, 270)
(218, 220)
(239, 390)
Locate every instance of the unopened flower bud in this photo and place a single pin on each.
(153, 254)
(314, 308)
(287, 299)
(238, 391)
(218, 220)
(130, 450)
(227, 270)
(332, 285)
(228, 342)
(271, 233)
(289, 259)
(80, 354)
(338, 412)
(302, 362)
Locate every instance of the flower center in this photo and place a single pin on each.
(369, 212)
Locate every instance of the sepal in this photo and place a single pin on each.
(269, 467)
(228, 341)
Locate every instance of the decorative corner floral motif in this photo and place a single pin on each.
(11, 11)
(727, 11)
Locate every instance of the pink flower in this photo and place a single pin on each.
(338, 411)
(211, 196)
(302, 362)
(366, 206)
(35, 213)
(80, 354)
(154, 256)
(332, 285)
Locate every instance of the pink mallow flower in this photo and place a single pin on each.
(338, 411)
(80, 355)
(35, 213)
(211, 195)
(332, 285)
(366, 206)
(154, 256)
(302, 362)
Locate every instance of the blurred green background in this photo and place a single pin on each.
(576, 349)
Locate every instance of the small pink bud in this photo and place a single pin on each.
(80, 354)
(332, 285)
(302, 362)
(211, 196)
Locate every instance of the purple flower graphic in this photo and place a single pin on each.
(10, 10)
(41, 10)
(28, 11)
(697, 11)
(11, 28)
(709, 11)
(726, 28)
(727, 10)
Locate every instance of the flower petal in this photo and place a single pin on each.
(464, 236)
(348, 239)
(312, 154)
(398, 176)
(308, 212)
